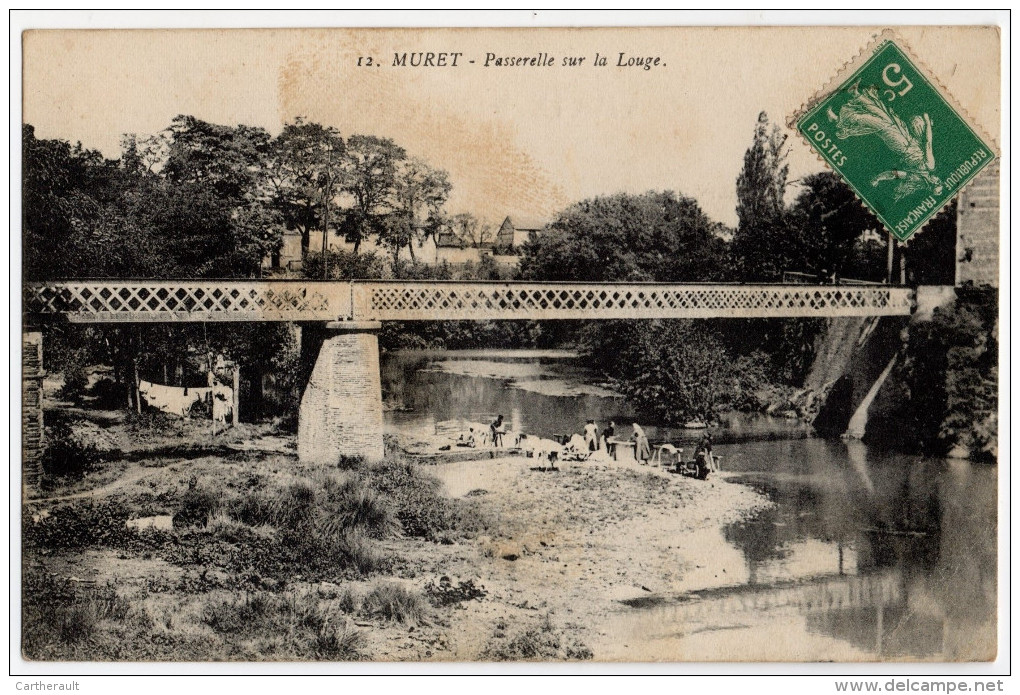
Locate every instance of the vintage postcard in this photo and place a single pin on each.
(503, 345)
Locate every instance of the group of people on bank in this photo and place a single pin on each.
(608, 442)
(592, 439)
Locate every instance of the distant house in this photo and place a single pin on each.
(448, 239)
(448, 247)
(453, 249)
(288, 258)
(517, 231)
(287, 261)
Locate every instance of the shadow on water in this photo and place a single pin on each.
(865, 555)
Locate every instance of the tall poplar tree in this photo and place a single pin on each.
(763, 246)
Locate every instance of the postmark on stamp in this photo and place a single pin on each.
(895, 137)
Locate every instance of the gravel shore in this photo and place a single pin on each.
(576, 547)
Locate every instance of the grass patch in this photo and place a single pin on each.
(542, 642)
(62, 619)
(392, 601)
(312, 627)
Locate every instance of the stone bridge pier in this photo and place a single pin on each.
(341, 408)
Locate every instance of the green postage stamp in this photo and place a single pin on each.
(896, 139)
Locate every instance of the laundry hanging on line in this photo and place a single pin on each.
(178, 400)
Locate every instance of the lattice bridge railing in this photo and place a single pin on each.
(190, 300)
(409, 301)
(278, 300)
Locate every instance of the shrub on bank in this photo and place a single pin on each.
(392, 601)
(946, 387)
(79, 525)
(67, 455)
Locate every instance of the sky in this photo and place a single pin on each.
(524, 141)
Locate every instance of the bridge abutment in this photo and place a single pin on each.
(341, 408)
(32, 430)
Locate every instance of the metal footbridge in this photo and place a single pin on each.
(172, 301)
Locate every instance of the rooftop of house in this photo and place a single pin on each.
(454, 240)
(448, 239)
(526, 224)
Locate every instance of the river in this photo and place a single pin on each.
(866, 554)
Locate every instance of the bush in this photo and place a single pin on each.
(76, 380)
(539, 643)
(254, 613)
(326, 551)
(351, 504)
(150, 422)
(417, 497)
(323, 525)
(530, 645)
(300, 619)
(79, 525)
(339, 643)
(350, 463)
(67, 455)
(109, 394)
(393, 602)
(345, 265)
(197, 507)
(257, 508)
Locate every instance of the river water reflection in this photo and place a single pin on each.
(866, 555)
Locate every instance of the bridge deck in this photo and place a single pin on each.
(103, 301)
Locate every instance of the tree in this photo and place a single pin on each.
(305, 168)
(67, 209)
(419, 194)
(215, 207)
(654, 236)
(762, 246)
(930, 254)
(471, 231)
(828, 221)
(675, 370)
(370, 180)
(226, 160)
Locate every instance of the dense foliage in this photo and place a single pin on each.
(206, 200)
(655, 236)
(949, 381)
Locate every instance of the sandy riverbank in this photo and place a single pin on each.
(578, 546)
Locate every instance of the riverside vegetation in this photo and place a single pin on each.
(236, 551)
(257, 557)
